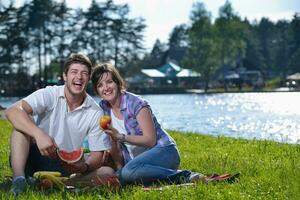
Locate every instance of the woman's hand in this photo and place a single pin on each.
(113, 133)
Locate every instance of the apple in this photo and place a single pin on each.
(46, 184)
(105, 121)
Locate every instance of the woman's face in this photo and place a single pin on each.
(107, 88)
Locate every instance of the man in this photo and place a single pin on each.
(56, 117)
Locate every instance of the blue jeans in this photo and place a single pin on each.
(158, 164)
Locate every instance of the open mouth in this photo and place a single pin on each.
(107, 93)
(78, 85)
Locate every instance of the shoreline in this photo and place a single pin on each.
(145, 91)
(2, 112)
(171, 90)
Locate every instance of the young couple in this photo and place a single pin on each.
(60, 117)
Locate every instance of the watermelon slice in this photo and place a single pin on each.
(70, 157)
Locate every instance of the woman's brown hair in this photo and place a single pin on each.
(103, 68)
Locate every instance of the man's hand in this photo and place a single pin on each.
(77, 167)
(46, 145)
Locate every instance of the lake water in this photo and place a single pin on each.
(272, 116)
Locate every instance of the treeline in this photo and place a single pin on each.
(45, 31)
(229, 42)
(42, 33)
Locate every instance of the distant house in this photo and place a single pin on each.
(171, 74)
(295, 77)
(293, 80)
(228, 75)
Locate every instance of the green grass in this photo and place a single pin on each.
(269, 170)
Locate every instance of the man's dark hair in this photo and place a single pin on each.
(78, 58)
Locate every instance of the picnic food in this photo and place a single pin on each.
(50, 179)
(39, 174)
(105, 121)
(70, 157)
(46, 184)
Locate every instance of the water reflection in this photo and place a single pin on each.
(271, 116)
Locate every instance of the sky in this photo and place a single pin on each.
(163, 15)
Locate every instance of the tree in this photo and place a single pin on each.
(293, 63)
(13, 36)
(202, 55)
(266, 35)
(7, 21)
(39, 25)
(110, 34)
(95, 30)
(156, 57)
(126, 35)
(231, 36)
(253, 58)
(63, 22)
(282, 50)
(178, 37)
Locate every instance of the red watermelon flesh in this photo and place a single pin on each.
(70, 156)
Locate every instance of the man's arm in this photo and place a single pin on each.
(20, 116)
(93, 162)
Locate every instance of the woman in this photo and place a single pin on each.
(149, 154)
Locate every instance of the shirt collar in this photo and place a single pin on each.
(123, 105)
(86, 103)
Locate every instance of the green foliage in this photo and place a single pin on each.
(40, 30)
(269, 170)
(231, 35)
(273, 83)
(202, 54)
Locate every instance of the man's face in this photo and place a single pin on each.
(77, 78)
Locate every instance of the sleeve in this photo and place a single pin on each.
(97, 139)
(41, 100)
(138, 104)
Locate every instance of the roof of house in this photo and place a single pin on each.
(295, 76)
(153, 73)
(188, 73)
(170, 69)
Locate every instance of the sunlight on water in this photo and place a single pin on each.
(271, 116)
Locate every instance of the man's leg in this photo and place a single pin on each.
(19, 150)
(88, 179)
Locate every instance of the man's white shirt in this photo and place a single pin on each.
(51, 113)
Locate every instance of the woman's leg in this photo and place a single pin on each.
(156, 164)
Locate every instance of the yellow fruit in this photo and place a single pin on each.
(39, 174)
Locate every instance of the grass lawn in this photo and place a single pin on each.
(269, 170)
